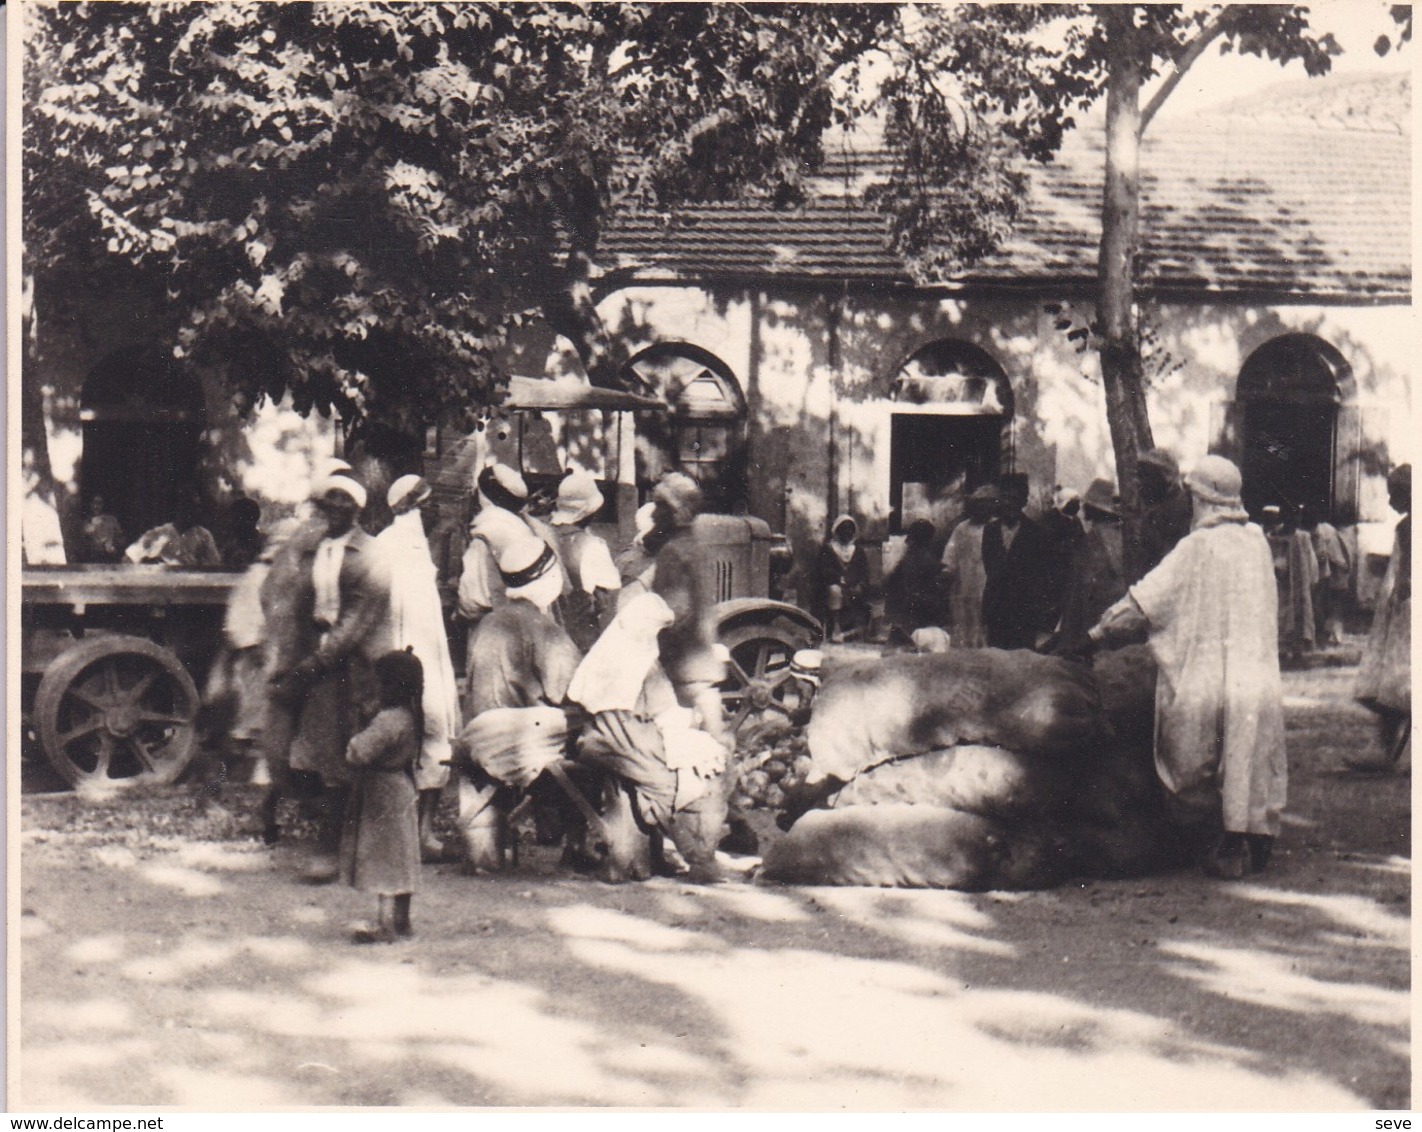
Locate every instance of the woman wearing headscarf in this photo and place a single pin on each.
(417, 624)
(1211, 611)
(1385, 674)
(842, 580)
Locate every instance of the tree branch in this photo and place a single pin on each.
(1193, 50)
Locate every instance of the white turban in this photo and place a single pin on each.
(407, 485)
(342, 484)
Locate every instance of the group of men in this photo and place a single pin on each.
(536, 596)
(1007, 580)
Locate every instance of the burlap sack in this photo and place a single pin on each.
(903, 846)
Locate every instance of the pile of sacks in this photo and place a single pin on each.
(980, 769)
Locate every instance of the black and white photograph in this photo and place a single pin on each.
(709, 557)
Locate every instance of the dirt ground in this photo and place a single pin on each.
(168, 958)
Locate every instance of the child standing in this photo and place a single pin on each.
(380, 845)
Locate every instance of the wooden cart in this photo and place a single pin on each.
(111, 657)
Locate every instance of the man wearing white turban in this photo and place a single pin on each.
(329, 623)
(1211, 610)
(417, 623)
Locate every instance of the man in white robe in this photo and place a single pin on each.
(417, 623)
(1211, 610)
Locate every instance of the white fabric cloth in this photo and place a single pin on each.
(326, 578)
(243, 623)
(595, 567)
(480, 586)
(611, 676)
(1213, 611)
(515, 744)
(417, 623)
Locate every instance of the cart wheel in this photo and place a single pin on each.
(759, 686)
(117, 710)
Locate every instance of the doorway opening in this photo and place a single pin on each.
(143, 424)
(1289, 400)
(952, 435)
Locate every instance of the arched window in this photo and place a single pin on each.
(143, 420)
(950, 431)
(703, 434)
(1293, 431)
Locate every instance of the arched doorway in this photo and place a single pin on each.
(950, 430)
(703, 434)
(1289, 404)
(143, 422)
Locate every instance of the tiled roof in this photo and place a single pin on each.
(1231, 204)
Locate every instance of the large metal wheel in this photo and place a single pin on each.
(117, 710)
(759, 686)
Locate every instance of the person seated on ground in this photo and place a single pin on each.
(842, 581)
(101, 540)
(1210, 609)
(590, 599)
(1384, 681)
(244, 544)
(180, 543)
(520, 659)
(638, 732)
(913, 598)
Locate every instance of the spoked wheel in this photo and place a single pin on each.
(117, 710)
(759, 686)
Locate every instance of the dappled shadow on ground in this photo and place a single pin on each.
(197, 974)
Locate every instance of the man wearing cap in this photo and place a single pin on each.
(1211, 611)
(1098, 576)
(334, 624)
(520, 658)
(1165, 505)
(1017, 597)
(417, 623)
(590, 598)
(963, 570)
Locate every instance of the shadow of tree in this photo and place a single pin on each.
(174, 971)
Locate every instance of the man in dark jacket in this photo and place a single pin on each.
(1017, 605)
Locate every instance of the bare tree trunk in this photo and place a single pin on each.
(573, 314)
(37, 473)
(1121, 371)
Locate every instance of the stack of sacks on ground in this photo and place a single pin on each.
(980, 769)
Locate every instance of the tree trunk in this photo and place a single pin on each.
(1121, 370)
(37, 475)
(572, 313)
